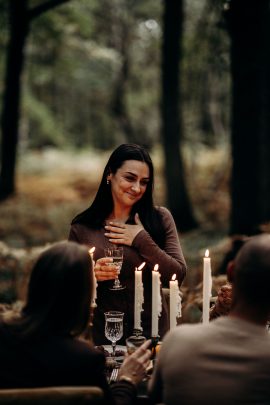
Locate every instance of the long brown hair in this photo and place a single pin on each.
(102, 206)
(59, 293)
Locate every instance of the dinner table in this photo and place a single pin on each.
(112, 368)
(142, 393)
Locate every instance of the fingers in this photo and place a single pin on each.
(115, 227)
(116, 234)
(135, 365)
(137, 219)
(143, 348)
(104, 261)
(123, 234)
(105, 271)
(143, 354)
(118, 241)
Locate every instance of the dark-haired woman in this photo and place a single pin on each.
(40, 346)
(123, 213)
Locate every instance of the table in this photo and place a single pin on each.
(142, 394)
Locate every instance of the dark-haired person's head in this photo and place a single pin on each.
(251, 274)
(102, 205)
(123, 158)
(59, 292)
(121, 154)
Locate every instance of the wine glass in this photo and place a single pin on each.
(114, 327)
(116, 253)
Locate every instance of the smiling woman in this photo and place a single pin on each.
(128, 185)
(123, 213)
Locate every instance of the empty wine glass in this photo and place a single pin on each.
(114, 327)
(116, 253)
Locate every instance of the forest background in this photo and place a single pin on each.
(93, 78)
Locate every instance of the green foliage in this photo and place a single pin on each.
(42, 122)
(206, 76)
(92, 65)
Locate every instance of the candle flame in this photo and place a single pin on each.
(173, 277)
(156, 266)
(206, 253)
(91, 251)
(141, 266)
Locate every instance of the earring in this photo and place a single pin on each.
(108, 181)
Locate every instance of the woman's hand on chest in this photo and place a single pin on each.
(123, 234)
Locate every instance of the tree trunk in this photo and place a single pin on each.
(177, 195)
(119, 103)
(264, 151)
(11, 101)
(20, 16)
(247, 49)
(122, 30)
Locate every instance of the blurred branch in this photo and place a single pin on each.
(42, 8)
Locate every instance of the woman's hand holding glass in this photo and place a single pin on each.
(116, 253)
(124, 234)
(105, 269)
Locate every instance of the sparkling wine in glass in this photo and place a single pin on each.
(114, 327)
(116, 253)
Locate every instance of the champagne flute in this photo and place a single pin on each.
(116, 253)
(114, 328)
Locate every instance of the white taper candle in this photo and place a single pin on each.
(207, 287)
(156, 300)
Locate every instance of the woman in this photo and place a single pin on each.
(40, 347)
(123, 213)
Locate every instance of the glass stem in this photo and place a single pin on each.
(116, 280)
(113, 349)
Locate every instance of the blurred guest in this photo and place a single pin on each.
(41, 347)
(237, 241)
(123, 214)
(223, 301)
(228, 360)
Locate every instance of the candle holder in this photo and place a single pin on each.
(137, 332)
(134, 342)
(88, 333)
(155, 340)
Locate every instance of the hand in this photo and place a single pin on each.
(103, 271)
(224, 300)
(123, 234)
(135, 364)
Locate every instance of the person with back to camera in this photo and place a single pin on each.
(223, 301)
(123, 214)
(41, 346)
(228, 360)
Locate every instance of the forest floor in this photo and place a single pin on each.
(53, 186)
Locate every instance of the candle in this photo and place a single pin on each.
(207, 286)
(138, 297)
(94, 291)
(156, 300)
(175, 302)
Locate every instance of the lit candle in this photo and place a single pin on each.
(175, 302)
(156, 300)
(138, 297)
(207, 286)
(94, 291)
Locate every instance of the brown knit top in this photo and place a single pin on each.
(144, 249)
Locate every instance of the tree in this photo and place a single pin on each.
(20, 18)
(121, 39)
(178, 201)
(250, 179)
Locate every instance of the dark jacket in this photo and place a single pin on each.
(57, 361)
